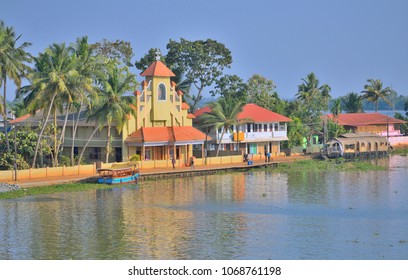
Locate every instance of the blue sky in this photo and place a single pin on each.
(343, 42)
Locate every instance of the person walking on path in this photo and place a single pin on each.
(173, 162)
(192, 163)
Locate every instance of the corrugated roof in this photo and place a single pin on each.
(363, 119)
(252, 112)
(157, 69)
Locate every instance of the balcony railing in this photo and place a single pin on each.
(252, 136)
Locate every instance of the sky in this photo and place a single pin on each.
(343, 42)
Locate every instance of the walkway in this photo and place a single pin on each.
(158, 172)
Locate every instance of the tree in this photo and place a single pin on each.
(54, 81)
(119, 51)
(313, 100)
(202, 62)
(353, 103)
(374, 92)
(223, 115)
(230, 86)
(13, 65)
(296, 132)
(88, 68)
(112, 106)
(336, 108)
(261, 91)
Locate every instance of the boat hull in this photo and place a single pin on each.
(119, 180)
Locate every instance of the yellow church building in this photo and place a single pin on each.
(163, 127)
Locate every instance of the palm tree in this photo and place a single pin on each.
(336, 108)
(54, 81)
(353, 103)
(374, 91)
(314, 99)
(13, 65)
(223, 115)
(87, 69)
(310, 91)
(112, 106)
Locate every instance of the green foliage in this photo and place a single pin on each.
(261, 92)
(404, 126)
(76, 187)
(26, 141)
(374, 91)
(353, 103)
(231, 86)
(312, 101)
(201, 62)
(296, 132)
(135, 157)
(223, 115)
(334, 129)
(120, 51)
(7, 161)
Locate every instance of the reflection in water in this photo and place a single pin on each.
(252, 215)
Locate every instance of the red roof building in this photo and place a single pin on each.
(261, 131)
(369, 122)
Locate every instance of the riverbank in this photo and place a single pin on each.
(292, 164)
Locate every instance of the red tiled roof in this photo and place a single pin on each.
(191, 116)
(20, 119)
(253, 113)
(157, 69)
(363, 119)
(185, 106)
(201, 111)
(166, 134)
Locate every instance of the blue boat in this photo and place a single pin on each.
(118, 176)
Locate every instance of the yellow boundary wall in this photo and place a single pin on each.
(151, 164)
(37, 173)
(90, 169)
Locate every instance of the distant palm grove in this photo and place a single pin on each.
(96, 79)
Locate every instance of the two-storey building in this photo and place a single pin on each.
(261, 131)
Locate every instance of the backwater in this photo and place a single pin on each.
(257, 214)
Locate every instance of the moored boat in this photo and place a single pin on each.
(118, 175)
(350, 145)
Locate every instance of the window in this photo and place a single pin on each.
(142, 97)
(95, 153)
(265, 127)
(162, 92)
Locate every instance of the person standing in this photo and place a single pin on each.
(173, 162)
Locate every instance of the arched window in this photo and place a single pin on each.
(162, 92)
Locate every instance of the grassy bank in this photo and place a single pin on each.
(71, 187)
(403, 151)
(328, 165)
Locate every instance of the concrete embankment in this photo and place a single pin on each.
(159, 173)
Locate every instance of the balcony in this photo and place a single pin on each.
(253, 136)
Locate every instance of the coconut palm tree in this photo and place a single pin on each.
(374, 91)
(87, 69)
(336, 108)
(54, 81)
(13, 65)
(112, 106)
(310, 92)
(353, 103)
(223, 115)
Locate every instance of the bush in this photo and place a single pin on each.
(134, 157)
(7, 162)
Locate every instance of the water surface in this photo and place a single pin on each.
(253, 215)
